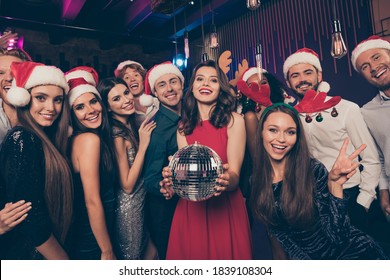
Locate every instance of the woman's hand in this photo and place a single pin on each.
(144, 132)
(223, 180)
(343, 169)
(13, 214)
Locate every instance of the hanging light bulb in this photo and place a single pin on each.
(253, 4)
(338, 49)
(186, 45)
(259, 63)
(205, 57)
(338, 46)
(213, 37)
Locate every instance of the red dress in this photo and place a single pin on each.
(217, 228)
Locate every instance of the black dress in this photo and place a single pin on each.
(84, 244)
(22, 176)
(331, 237)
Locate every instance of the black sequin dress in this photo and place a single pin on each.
(331, 237)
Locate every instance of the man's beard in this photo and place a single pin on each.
(301, 95)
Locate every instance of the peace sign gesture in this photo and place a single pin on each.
(343, 169)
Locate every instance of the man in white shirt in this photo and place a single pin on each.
(326, 130)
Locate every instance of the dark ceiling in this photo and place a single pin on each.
(150, 23)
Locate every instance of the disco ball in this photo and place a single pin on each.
(195, 169)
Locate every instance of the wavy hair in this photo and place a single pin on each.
(58, 176)
(220, 114)
(297, 192)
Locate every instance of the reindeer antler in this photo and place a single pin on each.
(224, 61)
(242, 67)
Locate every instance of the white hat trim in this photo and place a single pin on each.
(127, 62)
(298, 58)
(87, 76)
(46, 75)
(251, 71)
(79, 90)
(163, 69)
(365, 46)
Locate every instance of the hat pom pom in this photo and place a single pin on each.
(146, 100)
(323, 87)
(18, 96)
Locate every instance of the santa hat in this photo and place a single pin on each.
(305, 55)
(79, 86)
(373, 42)
(250, 72)
(155, 73)
(28, 75)
(87, 73)
(125, 63)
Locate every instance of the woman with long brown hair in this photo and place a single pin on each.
(33, 162)
(300, 203)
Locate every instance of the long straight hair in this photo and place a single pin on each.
(297, 192)
(104, 132)
(58, 176)
(220, 114)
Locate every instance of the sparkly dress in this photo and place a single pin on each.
(215, 229)
(132, 236)
(331, 237)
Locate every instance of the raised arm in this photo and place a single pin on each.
(130, 174)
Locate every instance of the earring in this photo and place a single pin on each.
(308, 119)
(334, 112)
(319, 118)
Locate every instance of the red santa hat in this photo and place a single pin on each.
(155, 73)
(373, 42)
(125, 63)
(87, 73)
(250, 72)
(28, 75)
(305, 55)
(79, 86)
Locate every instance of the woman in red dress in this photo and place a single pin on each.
(217, 228)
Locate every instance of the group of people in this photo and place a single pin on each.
(84, 163)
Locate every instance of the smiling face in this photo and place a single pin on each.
(374, 65)
(88, 110)
(279, 136)
(169, 90)
(206, 85)
(303, 77)
(5, 75)
(46, 104)
(120, 101)
(134, 81)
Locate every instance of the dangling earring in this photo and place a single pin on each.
(257, 108)
(334, 112)
(319, 118)
(238, 95)
(308, 119)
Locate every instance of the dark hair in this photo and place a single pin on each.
(104, 132)
(136, 67)
(221, 113)
(104, 87)
(58, 177)
(297, 192)
(277, 93)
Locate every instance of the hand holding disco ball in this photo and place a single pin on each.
(194, 170)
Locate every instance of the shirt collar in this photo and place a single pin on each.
(169, 113)
(383, 96)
